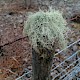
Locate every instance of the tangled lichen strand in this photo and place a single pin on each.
(45, 27)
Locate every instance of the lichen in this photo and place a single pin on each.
(47, 28)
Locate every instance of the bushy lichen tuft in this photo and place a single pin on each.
(46, 28)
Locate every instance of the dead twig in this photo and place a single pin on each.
(15, 59)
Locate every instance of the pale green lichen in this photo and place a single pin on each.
(46, 27)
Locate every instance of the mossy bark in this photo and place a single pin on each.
(41, 64)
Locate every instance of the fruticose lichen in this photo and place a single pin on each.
(47, 28)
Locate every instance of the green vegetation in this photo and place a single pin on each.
(46, 28)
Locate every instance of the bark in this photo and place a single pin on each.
(41, 64)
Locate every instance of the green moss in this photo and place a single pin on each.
(46, 28)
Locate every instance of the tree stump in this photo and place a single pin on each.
(41, 64)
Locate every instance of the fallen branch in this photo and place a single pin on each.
(12, 41)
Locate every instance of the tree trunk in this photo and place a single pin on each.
(41, 64)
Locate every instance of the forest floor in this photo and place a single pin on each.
(15, 50)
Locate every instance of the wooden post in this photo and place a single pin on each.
(45, 36)
(41, 64)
